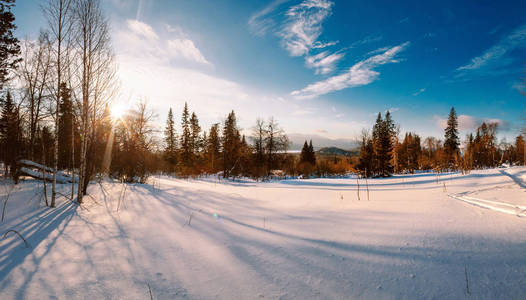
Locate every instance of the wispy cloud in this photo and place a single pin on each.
(260, 23)
(361, 73)
(141, 6)
(323, 62)
(420, 91)
(498, 56)
(304, 26)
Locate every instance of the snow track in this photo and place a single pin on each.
(510, 196)
(519, 211)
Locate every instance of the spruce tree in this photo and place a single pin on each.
(10, 135)
(213, 149)
(9, 44)
(304, 155)
(451, 142)
(65, 123)
(170, 138)
(195, 139)
(375, 139)
(231, 142)
(312, 154)
(186, 140)
(383, 132)
(366, 162)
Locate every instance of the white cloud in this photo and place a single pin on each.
(498, 55)
(175, 30)
(304, 26)
(359, 74)
(142, 40)
(471, 123)
(142, 29)
(323, 62)
(186, 48)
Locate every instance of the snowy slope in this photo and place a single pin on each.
(291, 239)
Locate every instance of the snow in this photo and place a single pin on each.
(302, 239)
(61, 176)
(48, 176)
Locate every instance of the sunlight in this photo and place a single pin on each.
(117, 111)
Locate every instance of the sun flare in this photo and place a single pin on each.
(117, 111)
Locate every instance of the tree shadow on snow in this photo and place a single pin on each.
(35, 227)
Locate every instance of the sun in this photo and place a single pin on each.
(117, 111)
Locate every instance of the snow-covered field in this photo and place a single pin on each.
(416, 237)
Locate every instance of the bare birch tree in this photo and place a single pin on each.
(59, 14)
(97, 76)
(33, 73)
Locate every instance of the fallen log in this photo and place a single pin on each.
(29, 167)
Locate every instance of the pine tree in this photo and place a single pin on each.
(65, 123)
(196, 142)
(383, 131)
(366, 160)
(213, 149)
(246, 163)
(186, 140)
(304, 155)
(312, 154)
(170, 138)
(10, 136)
(375, 139)
(231, 142)
(9, 44)
(451, 142)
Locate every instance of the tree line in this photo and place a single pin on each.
(383, 152)
(55, 109)
(222, 148)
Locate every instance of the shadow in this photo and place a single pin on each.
(516, 178)
(36, 228)
(230, 251)
(297, 263)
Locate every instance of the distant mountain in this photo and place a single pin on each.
(336, 151)
(318, 142)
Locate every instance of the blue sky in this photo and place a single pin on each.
(320, 67)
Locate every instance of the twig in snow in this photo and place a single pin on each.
(123, 193)
(150, 291)
(9, 190)
(189, 220)
(23, 239)
(467, 279)
(367, 185)
(358, 190)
